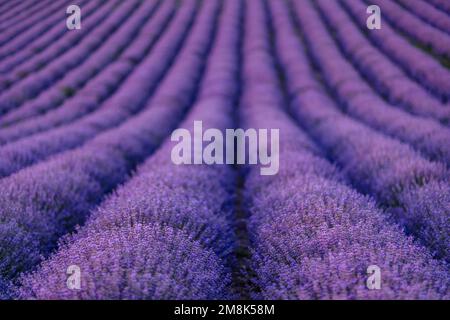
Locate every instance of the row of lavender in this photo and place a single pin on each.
(127, 100)
(46, 201)
(30, 43)
(28, 18)
(441, 4)
(386, 78)
(411, 25)
(362, 102)
(10, 9)
(171, 221)
(313, 235)
(93, 88)
(403, 90)
(429, 13)
(42, 78)
(415, 62)
(413, 189)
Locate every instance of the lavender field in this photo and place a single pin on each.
(92, 205)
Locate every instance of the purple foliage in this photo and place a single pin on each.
(15, 11)
(316, 238)
(16, 31)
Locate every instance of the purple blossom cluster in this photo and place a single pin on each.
(314, 236)
(90, 189)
